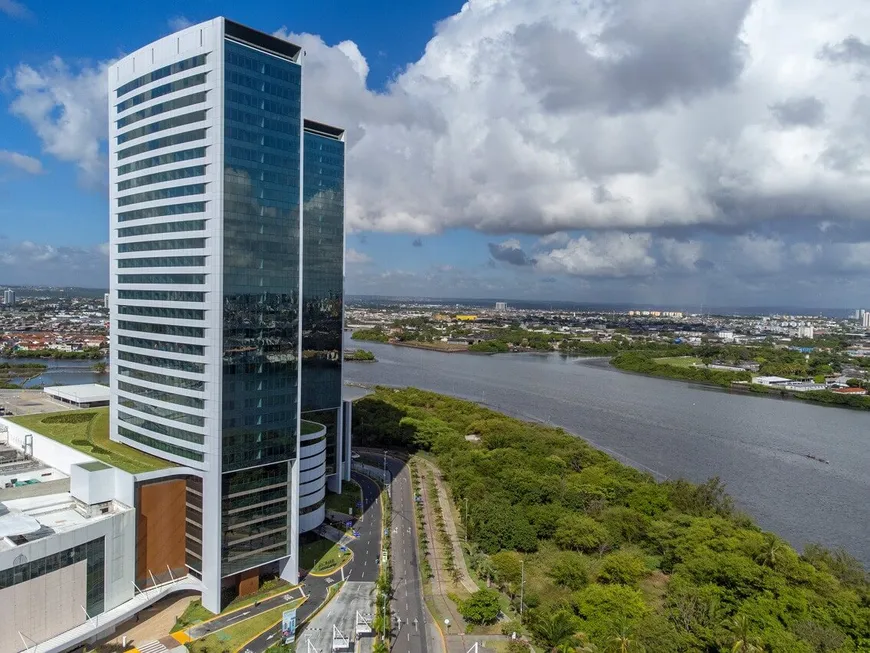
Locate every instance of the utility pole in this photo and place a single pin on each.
(466, 520)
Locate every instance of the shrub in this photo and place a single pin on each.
(69, 418)
(570, 570)
(481, 607)
(622, 567)
(580, 533)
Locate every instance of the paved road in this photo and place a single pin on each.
(415, 634)
(364, 567)
(231, 618)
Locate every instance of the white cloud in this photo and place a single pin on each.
(353, 256)
(608, 254)
(755, 253)
(681, 254)
(523, 116)
(23, 162)
(28, 262)
(67, 108)
(177, 23)
(14, 9)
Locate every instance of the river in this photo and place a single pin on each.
(757, 445)
(60, 371)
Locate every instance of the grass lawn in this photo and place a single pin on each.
(231, 639)
(193, 614)
(346, 501)
(321, 555)
(679, 361)
(310, 427)
(88, 431)
(269, 588)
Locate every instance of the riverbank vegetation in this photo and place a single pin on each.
(648, 363)
(360, 355)
(376, 334)
(611, 555)
(16, 370)
(88, 353)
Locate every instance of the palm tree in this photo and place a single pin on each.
(622, 643)
(770, 553)
(743, 641)
(557, 630)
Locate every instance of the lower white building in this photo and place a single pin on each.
(65, 558)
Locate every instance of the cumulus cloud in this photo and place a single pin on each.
(609, 254)
(23, 162)
(28, 262)
(511, 252)
(67, 108)
(530, 117)
(355, 257)
(805, 111)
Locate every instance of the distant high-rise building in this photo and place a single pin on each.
(226, 300)
(501, 307)
(9, 297)
(106, 300)
(865, 319)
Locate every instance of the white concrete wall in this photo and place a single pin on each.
(54, 454)
(118, 531)
(43, 607)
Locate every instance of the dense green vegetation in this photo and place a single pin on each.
(646, 363)
(612, 558)
(362, 355)
(372, 335)
(9, 371)
(92, 353)
(489, 347)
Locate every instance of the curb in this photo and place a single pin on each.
(327, 574)
(266, 629)
(243, 607)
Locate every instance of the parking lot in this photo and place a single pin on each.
(29, 402)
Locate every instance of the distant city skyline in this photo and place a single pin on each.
(617, 163)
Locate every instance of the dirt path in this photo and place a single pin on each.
(450, 524)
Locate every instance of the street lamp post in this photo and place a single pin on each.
(522, 583)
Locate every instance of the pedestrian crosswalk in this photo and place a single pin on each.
(164, 645)
(152, 647)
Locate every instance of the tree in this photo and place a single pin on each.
(508, 567)
(555, 629)
(580, 533)
(570, 570)
(742, 640)
(622, 567)
(771, 553)
(481, 607)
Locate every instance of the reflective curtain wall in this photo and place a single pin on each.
(260, 303)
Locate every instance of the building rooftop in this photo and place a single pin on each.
(88, 431)
(26, 520)
(86, 393)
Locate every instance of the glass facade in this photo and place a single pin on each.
(323, 284)
(322, 272)
(260, 304)
(93, 552)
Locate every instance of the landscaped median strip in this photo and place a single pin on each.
(324, 574)
(276, 621)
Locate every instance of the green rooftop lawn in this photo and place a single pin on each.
(88, 431)
(310, 427)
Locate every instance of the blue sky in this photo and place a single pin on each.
(647, 151)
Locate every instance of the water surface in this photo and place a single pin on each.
(757, 445)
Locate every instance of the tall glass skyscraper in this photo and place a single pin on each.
(226, 293)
